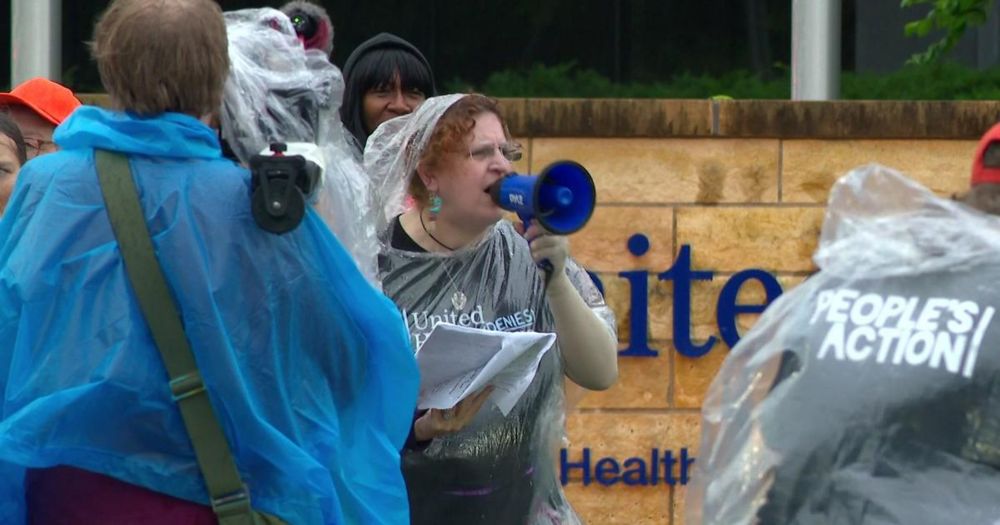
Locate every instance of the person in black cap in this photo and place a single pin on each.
(385, 77)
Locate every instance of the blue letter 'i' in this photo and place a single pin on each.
(638, 326)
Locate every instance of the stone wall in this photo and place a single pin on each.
(743, 183)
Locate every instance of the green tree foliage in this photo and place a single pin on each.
(934, 81)
(568, 80)
(954, 17)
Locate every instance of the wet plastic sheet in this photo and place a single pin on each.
(278, 91)
(870, 393)
(393, 151)
(307, 366)
(497, 470)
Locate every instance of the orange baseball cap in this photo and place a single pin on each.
(50, 100)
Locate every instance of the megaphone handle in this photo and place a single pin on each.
(544, 264)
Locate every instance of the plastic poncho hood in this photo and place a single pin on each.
(278, 91)
(394, 150)
(870, 393)
(306, 364)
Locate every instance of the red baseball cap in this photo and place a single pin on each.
(48, 99)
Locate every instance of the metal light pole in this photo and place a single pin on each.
(815, 49)
(35, 40)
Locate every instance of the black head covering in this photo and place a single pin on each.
(358, 83)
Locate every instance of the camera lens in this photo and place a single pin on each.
(304, 24)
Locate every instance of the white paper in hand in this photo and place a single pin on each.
(457, 361)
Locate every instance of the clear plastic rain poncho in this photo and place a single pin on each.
(870, 393)
(497, 470)
(278, 91)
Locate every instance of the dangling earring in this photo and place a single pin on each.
(435, 205)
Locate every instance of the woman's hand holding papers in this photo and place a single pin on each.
(436, 422)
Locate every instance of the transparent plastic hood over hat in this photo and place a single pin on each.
(869, 392)
(278, 91)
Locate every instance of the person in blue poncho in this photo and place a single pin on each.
(307, 367)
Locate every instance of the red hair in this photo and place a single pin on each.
(451, 136)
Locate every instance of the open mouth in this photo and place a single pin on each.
(489, 189)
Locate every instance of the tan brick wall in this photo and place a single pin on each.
(739, 203)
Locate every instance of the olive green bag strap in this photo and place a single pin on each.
(229, 496)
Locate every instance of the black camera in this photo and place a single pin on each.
(280, 186)
(305, 24)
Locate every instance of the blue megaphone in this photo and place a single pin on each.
(561, 198)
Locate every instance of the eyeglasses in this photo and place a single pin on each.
(35, 147)
(485, 152)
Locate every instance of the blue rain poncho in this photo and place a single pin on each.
(308, 367)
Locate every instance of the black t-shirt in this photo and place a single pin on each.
(886, 407)
(402, 240)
